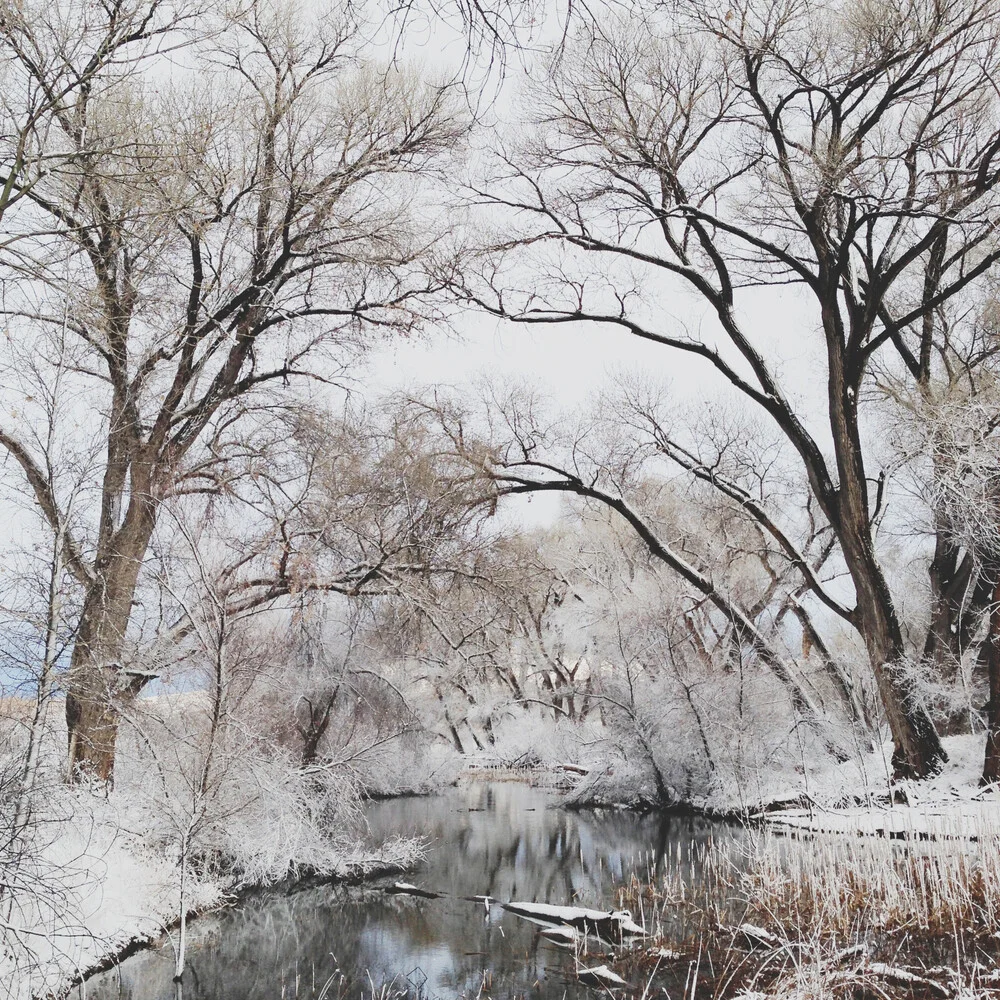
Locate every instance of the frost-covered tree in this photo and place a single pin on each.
(953, 443)
(183, 239)
(847, 150)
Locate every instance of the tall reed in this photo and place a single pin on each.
(836, 916)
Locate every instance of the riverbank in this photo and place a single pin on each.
(481, 808)
(824, 917)
(500, 840)
(367, 867)
(98, 878)
(811, 797)
(728, 912)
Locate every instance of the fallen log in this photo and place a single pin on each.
(611, 925)
(405, 889)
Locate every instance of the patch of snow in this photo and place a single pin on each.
(666, 955)
(618, 920)
(562, 935)
(600, 975)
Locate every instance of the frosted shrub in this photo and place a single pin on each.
(286, 820)
(955, 695)
(530, 736)
(431, 762)
(234, 801)
(718, 742)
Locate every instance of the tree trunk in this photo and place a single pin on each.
(92, 722)
(98, 686)
(93, 708)
(991, 762)
(960, 594)
(917, 750)
(316, 726)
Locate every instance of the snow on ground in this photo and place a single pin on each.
(859, 798)
(955, 821)
(94, 883)
(96, 889)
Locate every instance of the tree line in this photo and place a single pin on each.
(212, 214)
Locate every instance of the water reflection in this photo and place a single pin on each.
(495, 839)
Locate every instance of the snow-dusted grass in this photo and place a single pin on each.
(941, 873)
(836, 887)
(835, 915)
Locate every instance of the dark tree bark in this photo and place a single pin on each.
(849, 171)
(315, 725)
(99, 684)
(991, 764)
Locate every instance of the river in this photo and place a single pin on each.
(499, 839)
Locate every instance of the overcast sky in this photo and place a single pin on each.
(572, 361)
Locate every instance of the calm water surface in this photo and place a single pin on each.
(498, 839)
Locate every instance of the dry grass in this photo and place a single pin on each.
(823, 889)
(850, 918)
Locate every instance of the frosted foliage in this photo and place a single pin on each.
(336, 705)
(653, 748)
(247, 803)
(97, 869)
(430, 764)
(959, 696)
(957, 436)
(686, 716)
(525, 738)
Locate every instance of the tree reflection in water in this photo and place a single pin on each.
(498, 839)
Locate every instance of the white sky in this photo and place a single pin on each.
(571, 362)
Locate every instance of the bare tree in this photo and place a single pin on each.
(849, 152)
(957, 438)
(206, 238)
(527, 450)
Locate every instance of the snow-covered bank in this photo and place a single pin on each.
(857, 795)
(97, 888)
(148, 930)
(90, 890)
(88, 872)
(949, 806)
